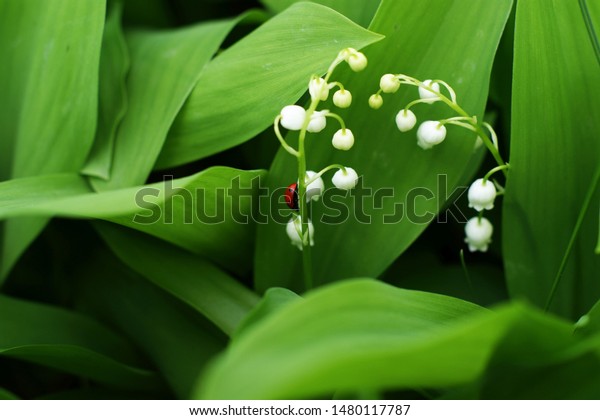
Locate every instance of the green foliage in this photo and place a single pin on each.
(146, 128)
(554, 65)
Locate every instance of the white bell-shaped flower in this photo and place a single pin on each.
(482, 194)
(342, 98)
(357, 61)
(430, 133)
(345, 179)
(317, 121)
(478, 233)
(318, 89)
(315, 189)
(427, 95)
(389, 83)
(292, 117)
(293, 229)
(405, 120)
(343, 139)
(375, 101)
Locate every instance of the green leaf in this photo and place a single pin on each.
(7, 395)
(359, 11)
(274, 300)
(363, 334)
(165, 66)
(114, 65)
(213, 293)
(49, 84)
(208, 213)
(177, 340)
(554, 65)
(355, 335)
(348, 245)
(241, 91)
(70, 342)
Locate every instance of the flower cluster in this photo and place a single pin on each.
(310, 185)
(482, 192)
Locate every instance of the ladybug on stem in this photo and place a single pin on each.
(291, 196)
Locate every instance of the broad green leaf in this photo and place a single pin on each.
(359, 11)
(165, 66)
(241, 90)
(273, 300)
(209, 213)
(355, 335)
(213, 293)
(112, 103)
(70, 342)
(415, 183)
(554, 66)
(174, 338)
(7, 395)
(362, 334)
(49, 84)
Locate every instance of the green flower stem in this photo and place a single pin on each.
(337, 117)
(284, 144)
(493, 171)
(328, 168)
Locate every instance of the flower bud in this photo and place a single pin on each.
(357, 61)
(430, 133)
(482, 194)
(343, 139)
(389, 83)
(316, 187)
(317, 121)
(345, 179)
(427, 95)
(478, 234)
(292, 117)
(318, 89)
(375, 101)
(405, 120)
(342, 98)
(293, 229)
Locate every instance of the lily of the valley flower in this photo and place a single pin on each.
(430, 133)
(317, 121)
(293, 229)
(375, 101)
(356, 60)
(389, 83)
(478, 232)
(482, 194)
(292, 117)
(343, 139)
(314, 186)
(345, 179)
(428, 96)
(318, 89)
(342, 98)
(405, 120)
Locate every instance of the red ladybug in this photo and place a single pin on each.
(291, 196)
